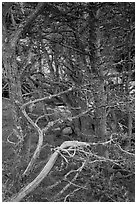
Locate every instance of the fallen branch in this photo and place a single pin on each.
(31, 186)
(39, 145)
(71, 182)
(41, 132)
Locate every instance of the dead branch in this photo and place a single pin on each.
(31, 186)
(41, 132)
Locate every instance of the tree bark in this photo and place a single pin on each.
(100, 97)
(11, 67)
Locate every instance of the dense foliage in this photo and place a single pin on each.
(69, 75)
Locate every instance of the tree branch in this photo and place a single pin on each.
(31, 186)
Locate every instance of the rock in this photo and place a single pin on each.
(67, 131)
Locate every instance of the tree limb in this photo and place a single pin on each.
(31, 186)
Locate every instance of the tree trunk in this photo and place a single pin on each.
(100, 96)
(14, 86)
(129, 104)
(11, 67)
(130, 124)
(100, 112)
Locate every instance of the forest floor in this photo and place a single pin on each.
(95, 183)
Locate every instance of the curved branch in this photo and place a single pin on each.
(31, 186)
